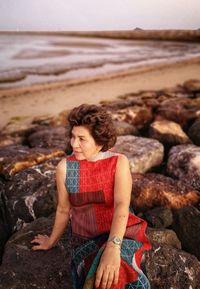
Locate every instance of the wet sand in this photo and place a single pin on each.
(27, 103)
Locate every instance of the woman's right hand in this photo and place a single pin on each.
(43, 242)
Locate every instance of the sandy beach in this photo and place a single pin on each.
(26, 103)
(46, 74)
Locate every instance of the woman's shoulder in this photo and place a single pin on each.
(61, 166)
(119, 155)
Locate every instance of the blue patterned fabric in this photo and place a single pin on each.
(72, 179)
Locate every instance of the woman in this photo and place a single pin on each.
(93, 190)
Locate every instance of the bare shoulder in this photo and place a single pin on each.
(61, 169)
(61, 165)
(123, 161)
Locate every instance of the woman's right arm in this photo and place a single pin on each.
(62, 212)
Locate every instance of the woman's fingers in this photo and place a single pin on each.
(41, 241)
(110, 279)
(116, 276)
(106, 277)
(99, 274)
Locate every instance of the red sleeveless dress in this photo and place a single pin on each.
(90, 185)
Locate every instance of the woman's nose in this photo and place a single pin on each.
(74, 142)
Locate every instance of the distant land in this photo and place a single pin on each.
(136, 33)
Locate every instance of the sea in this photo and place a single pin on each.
(29, 59)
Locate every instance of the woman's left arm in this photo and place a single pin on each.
(108, 269)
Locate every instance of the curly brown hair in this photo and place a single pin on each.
(97, 120)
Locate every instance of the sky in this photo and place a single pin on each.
(89, 15)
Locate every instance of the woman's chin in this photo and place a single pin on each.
(79, 156)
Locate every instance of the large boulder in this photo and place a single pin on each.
(5, 219)
(50, 137)
(15, 158)
(124, 128)
(159, 217)
(192, 85)
(168, 132)
(187, 227)
(23, 268)
(154, 190)
(15, 131)
(194, 132)
(167, 267)
(184, 163)
(180, 110)
(31, 193)
(139, 116)
(163, 236)
(121, 103)
(143, 153)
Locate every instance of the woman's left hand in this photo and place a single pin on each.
(108, 269)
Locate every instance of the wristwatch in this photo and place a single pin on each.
(116, 240)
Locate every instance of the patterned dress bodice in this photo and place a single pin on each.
(90, 185)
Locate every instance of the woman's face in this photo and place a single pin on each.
(83, 144)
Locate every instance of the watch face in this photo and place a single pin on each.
(117, 240)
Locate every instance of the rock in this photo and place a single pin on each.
(168, 267)
(163, 236)
(123, 128)
(180, 110)
(15, 158)
(139, 116)
(194, 132)
(27, 269)
(168, 133)
(31, 193)
(184, 163)
(143, 153)
(120, 104)
(50, 137)
(5, 221)
(53, 120)
(187, 227)
(15, 131)
(154, 190)
(159, 217)
(192, 85)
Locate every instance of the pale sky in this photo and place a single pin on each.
(77, 15)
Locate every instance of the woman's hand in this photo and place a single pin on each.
(108, 269)
(43, 242)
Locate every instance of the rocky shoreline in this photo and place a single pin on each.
(159, 131)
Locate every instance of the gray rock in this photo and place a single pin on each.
(184, 163)
(143, 153)
(27, 269)
(187, 227)
(168, 267)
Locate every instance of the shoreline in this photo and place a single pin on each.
(50, 99)
(191, 35)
